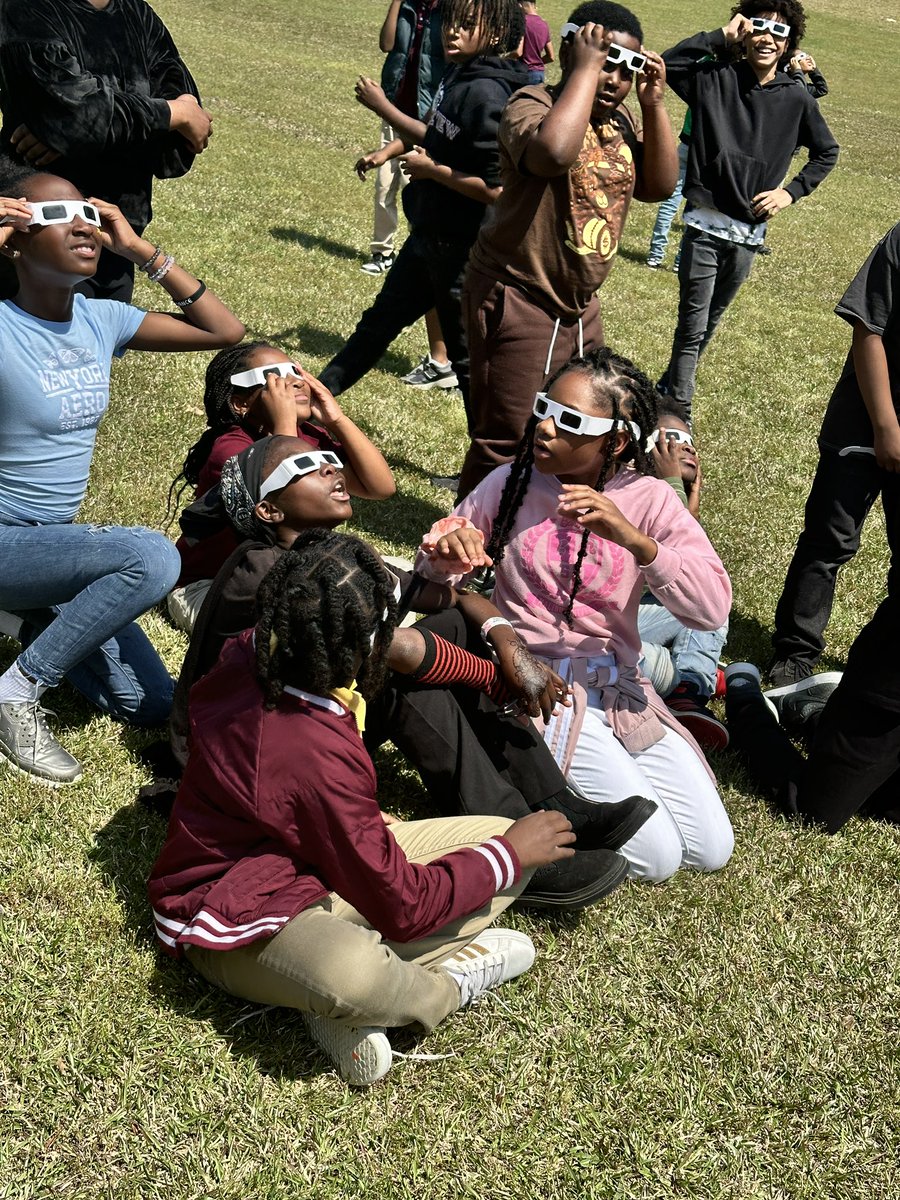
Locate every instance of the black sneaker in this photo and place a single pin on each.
(801, 703)
(577, 882)
(599, 826)
(784, 672)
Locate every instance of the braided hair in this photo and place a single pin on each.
(12, 175)
(220, 416)
(319, 607)
(629, 396)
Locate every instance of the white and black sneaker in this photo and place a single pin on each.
(378, 264)
(28, 744)
(802, 702)
(495, 956)
(429, 374)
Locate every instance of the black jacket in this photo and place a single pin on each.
(743, 135)
(93, 85)
(462, 134)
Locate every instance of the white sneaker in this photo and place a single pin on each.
(494, 957)
(428, 374)
(362, 1056)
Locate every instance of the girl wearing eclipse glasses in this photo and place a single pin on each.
(70, 593)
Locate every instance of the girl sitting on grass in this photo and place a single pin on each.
(575, 528)
(253, 390)
(71, 592)
(442, 702)
(282, 881)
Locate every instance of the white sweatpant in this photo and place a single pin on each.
(690, 827)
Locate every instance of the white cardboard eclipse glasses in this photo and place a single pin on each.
(616, 54)
(776, 28)
(59, 212)
(296, 467)
(256, 377)
(570, 420)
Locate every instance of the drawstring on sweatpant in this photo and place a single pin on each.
(553, 344)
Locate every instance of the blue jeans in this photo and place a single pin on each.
(672, 654)
(535, 76)
(665, 214)
(78, 589)
(710, 275)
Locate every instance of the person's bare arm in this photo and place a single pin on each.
(555, 145)
(418, 164)
(658, 171)
(388, 34)
(870, 363)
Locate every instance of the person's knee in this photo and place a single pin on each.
(153, 562)
(716, 847)
(661, 860)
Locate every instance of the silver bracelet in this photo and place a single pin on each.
(161, 272)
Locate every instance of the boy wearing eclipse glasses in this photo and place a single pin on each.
(748, 116)
(571, 156)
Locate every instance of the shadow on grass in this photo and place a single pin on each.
(314, 241)
(386, 521)
(751, 641)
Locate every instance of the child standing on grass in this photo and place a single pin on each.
(747, 118)
(453, 163)
(253, 390)
(572, 157)
(859, 459)
(282, 881)
(576, 528)
(70, 592)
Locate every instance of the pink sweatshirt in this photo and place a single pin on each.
(533, 580)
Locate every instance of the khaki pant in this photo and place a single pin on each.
(389, 179)
(328, 959)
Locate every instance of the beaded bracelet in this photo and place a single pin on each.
(161, 272)
(189, 300)
(157, 251)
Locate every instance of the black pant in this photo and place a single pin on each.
(854, 759)
(843, 491)
(114, 277)
(471, 759)
(427, 274)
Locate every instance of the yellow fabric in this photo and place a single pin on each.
(352, 700)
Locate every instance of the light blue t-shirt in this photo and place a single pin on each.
(54, 390)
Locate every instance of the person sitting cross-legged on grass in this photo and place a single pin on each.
(281, 880)
(575, 530)
(71, 592)
(443, 698)
(680, 662)
(253, 390)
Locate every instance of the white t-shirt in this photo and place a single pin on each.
(54, 390)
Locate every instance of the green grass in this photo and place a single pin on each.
(732, 1036)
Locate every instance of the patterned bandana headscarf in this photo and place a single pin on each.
(239, 487)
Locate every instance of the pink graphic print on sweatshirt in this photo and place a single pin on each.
(548, 553)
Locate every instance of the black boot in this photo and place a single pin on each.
(576, 882)
(601, 826)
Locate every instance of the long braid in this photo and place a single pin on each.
(220, 417)
(513, 493)
(319, 608)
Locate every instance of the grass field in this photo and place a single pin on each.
(727, 1037)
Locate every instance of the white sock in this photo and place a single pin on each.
(10, 625)
(17, 688)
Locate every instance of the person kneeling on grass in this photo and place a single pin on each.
(445, 698)
(681, 663)
(281, 880)
(70, 592)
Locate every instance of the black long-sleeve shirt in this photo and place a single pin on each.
(743, 134)
(92, 84)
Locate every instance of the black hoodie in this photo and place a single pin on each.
(742, 134)
(462, 134)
